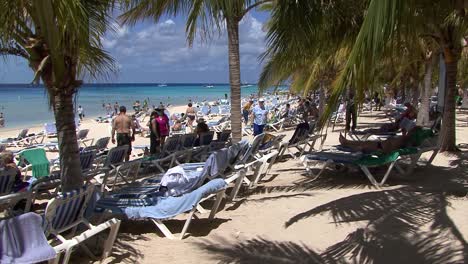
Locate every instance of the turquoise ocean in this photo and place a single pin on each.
(24, 104)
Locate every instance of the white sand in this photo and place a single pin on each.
(350, 204)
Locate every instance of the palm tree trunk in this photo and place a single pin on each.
(423, 114)
(232, 25)
(70, 167)
(447, 138)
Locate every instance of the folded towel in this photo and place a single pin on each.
(23, 240)
(168, 207)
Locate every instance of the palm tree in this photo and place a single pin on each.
(205, 15)
(61, 42)
(308, 43)
(386, 21)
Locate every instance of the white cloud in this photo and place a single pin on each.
(153, 49)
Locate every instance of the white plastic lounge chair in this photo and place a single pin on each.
(82, 137)
(356, 159)
(66, 212)
(8, 199)
(127, 172)
(50, 130)
(161, 209)
(277, 125)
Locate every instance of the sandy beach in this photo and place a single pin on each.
(288, 217)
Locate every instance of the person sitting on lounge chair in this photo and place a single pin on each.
(7, 161)
(201, 128)
(413, 138)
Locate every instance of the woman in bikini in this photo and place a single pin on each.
(191, 114)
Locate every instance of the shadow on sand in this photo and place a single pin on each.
(409, 224)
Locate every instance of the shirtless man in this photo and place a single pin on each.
(123, 124)
(191, 115)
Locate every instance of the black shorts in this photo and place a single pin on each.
(124, 139)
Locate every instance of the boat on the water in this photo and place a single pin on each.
(209, 86)
(162, 85)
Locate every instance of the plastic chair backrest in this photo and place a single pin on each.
(224, 136)
(23, 133)
(171, 145)
(116, 155)
(87, 159)
(67, 209)
(82, 134)
(7, 179)
(188, 140)
(206, 138)
(102, 143)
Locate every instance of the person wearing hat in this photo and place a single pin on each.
(125, 129)
(260, 114)
(246, 110)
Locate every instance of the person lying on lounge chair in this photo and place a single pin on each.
(414, 138)
(403, 122)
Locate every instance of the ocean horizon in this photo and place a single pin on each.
(26, 104)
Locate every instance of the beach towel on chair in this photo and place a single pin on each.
(180, 180)
(38, 160)
(22, 240)
(168, 207)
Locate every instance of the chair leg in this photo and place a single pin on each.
(387, 173)
(369, 176)
(238, 184)
(163, 228)
(219, 199)
(114, 230)
(187, 223)
(434, 154)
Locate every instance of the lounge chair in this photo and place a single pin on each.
(50, 130)
(82, 137)
(356, 159)
(17, 141)
(99, 146)
(66, 213)
(159, 209)
(127, 172)
(8, 199)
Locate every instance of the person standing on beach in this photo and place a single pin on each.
(351, 113)
(2, 120)
(123, 125)
(191, 115)
(80, 112)
(116, 108)
(109, 109)
(154, 133)
(246, 111)
(260, 115)
(162, 121)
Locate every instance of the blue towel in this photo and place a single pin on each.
(168, 207)
(23, 240)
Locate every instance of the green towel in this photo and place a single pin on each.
(408, 151)
(38, 159)
(377, 160)
(419, 135)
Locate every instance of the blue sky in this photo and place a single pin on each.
(158, 53)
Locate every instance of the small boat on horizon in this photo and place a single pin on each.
(162, 85)
(209, 86)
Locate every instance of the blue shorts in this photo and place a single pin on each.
(258, 129)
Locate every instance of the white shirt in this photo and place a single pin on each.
(260, 115)
(80, 110)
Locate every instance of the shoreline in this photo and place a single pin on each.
(6, 132)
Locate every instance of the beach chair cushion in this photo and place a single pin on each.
(38, 160)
